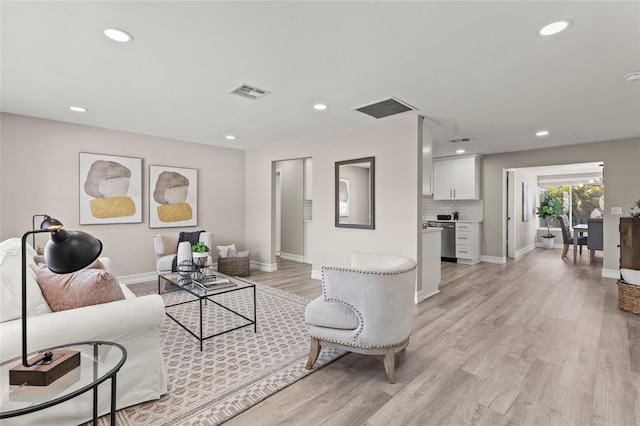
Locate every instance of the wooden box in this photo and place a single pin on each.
(45, 374)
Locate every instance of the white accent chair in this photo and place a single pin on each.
(366, 308)
(166, 248)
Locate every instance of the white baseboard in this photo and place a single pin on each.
(292, 257)
(266, 267)
(493, 259)
(316, 275)
(555, 246)
(525, 250)
(420, 297)
(611, 273)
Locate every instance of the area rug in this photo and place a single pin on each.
(235, 370)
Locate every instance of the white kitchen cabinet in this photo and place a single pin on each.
(456, 178)
(468, 243)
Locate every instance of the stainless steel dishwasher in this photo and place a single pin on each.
(448, 239)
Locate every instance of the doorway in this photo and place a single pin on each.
(292, 225)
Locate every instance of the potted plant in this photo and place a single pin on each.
(200, 252)
(455, 214)
(635, 209)
(549, 208)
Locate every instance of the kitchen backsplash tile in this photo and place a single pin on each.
(469, 209)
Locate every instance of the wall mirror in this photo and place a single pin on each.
(355, 193)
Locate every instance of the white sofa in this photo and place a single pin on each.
(135, 323)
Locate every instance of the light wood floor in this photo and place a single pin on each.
(537, 341)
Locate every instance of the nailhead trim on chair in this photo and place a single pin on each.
(362, 271)
(361, 346)
(360, 317)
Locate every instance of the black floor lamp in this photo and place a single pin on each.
(66, 252)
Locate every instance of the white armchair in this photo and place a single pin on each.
(166, 248)
(366, 308)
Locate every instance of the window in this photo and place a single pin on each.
(582, 197)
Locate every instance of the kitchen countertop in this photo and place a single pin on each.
(431, 230)
(460, 220)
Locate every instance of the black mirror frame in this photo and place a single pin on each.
(372, 163)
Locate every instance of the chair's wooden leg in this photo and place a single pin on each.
(592, 256)
(390, 365)
(565, 249)
(580, 248)
(314, 351)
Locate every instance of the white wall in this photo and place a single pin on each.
(39, 174)
(394, 142)
(525, 231)
(621, 177)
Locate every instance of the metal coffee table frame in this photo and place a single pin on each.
(92, 384)
(176, 282)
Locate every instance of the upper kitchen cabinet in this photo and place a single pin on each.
(456, 178)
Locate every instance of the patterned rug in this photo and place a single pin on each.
(235, 370)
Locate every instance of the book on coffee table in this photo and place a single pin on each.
(213, 282)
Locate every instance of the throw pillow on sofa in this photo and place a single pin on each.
(11, 282)
(82, 288)
(39, 259)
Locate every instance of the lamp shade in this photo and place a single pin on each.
(50, 223)
(70, 251)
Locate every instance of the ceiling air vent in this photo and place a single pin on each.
(385, 108)
(249, 92)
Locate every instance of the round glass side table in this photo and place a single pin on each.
(99, 361)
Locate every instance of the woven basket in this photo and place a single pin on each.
(234, 266)
(629, 297)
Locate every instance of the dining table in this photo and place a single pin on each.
(578, 231)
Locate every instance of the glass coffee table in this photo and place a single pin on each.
(99, 361)
(219, 298)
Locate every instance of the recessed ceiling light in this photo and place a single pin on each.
(634, 76)
(542, 133)
(554, 28)
(78, 109)
(460, 151)
(118, 35)
(320, 107)
(230, 137)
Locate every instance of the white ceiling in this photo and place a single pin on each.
(479, 69)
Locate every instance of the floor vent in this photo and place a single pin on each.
(385, 108)
(249, 92)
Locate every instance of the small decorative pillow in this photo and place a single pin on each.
(223, 251)
(82, 288)
(231, 252)
(243, 253)
(39, 259)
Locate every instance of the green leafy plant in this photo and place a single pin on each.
(637, 202)
(200, 248)
(549, 208)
